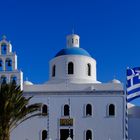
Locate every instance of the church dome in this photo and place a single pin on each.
(73, 63)
(27, 83)
(115, 81)
(72, 51)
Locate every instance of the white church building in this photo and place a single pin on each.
(75, 104)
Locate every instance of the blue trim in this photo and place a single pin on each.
(130, 99)
(72, 51)
(134, 90)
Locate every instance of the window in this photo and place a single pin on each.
(44, 110)
(88, 135)
(3, 80)
(1, 64)
(89, 69)
(70, 68)
(8, 64)
(111, 110)
(14, 80)
(76, 41)
(66, 110)
(44, 135)
(88, 110)
(72, 40)
(53, 71)
(3, 48)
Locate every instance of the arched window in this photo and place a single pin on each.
(72, 40)
(3, 80)
(76, 41)
(88, 110)
(13, 80)
(3, 48)
(111, 110)
(44, 135)
(44, 110)
(53, 70)
(89, 69)
(8, 64)
(70, 68)
(1, 64)
(66, 110)
(88, 135)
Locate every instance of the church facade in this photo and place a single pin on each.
(75, 105)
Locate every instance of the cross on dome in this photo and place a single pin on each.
(4, 37)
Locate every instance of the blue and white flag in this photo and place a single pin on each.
(133, 83)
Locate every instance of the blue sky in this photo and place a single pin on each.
(109, 30)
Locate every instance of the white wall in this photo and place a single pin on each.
(80, 68)
(103, 127)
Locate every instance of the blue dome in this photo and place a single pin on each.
(72, 51)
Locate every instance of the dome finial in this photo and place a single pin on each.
(4, 37)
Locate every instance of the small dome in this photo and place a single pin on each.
(73, 51)
(28, 83)
(115, 81)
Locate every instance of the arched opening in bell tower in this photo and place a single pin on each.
(8, 64)
(13, 80)
(1, 65)
(3, 79)
(3, 48)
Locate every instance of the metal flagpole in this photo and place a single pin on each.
(69, 137)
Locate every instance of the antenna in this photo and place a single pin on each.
(73, 30)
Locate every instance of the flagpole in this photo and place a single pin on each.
(126, 108)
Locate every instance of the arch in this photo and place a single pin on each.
(44, 110)
(88, 135)
(89, 69)
(1, 65)
(88, 110)
(76, 41)
(66, 110)
(111, 110)
(70, 68)
(3, 48)
(8, 64)
(72, 40)
(44, 134)
(3, 79)
(13, 80)
(53, 70)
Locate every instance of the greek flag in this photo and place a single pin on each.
(133, 83)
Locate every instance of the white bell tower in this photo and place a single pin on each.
(8, 64)
(73, 41)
